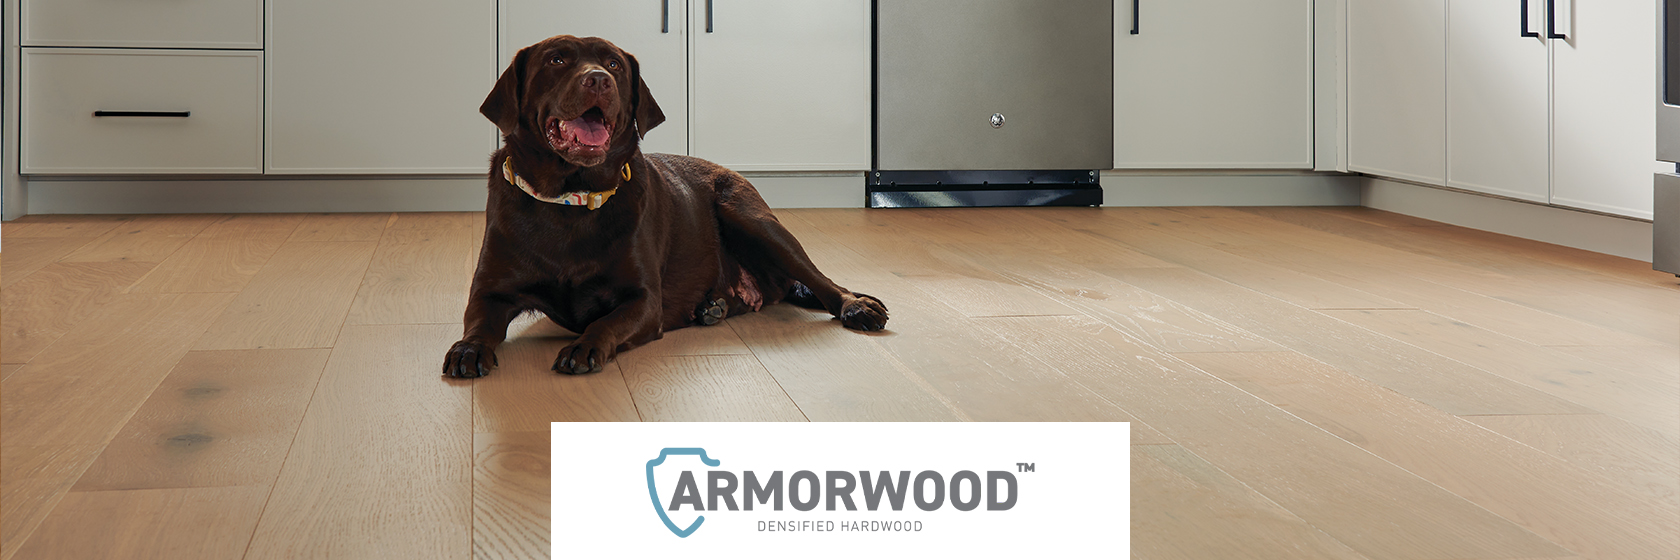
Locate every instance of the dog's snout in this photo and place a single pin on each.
(597, 80)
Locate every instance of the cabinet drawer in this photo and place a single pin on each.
(203, 24)
(219, 92)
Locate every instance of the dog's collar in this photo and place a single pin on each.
(590, 200)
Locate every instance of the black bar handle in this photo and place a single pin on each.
(1551, 21)
(1134, 17)
(708, 16)
(1525, 31)
(664, 16)
(175, 114)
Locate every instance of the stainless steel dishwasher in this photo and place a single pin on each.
(992, 102)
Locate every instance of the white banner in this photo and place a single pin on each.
(841, 490)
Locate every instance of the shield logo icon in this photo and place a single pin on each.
(653, 488)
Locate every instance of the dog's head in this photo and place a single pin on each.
(581, 96)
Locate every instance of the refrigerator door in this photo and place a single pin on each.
(994, 84)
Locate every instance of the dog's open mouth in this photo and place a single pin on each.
(582, 138)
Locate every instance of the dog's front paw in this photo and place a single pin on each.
(468, 359)
(582, 357)
(863, 312)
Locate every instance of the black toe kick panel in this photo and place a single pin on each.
(938, 189)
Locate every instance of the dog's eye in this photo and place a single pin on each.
(556, 60)
(613, 64)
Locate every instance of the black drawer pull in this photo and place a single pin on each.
(175, 114)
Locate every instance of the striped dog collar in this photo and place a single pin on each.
(590, 200)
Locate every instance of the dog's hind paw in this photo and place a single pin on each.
(711, 312)
(468, 359)
(863, 312)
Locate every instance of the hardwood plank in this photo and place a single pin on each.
(298, 300)
(84, 387)
(964, 366)
(1632, 397)
(1436, 380)
(1653, 362)
(1161, 322)
(147, 524)
(32, 481)
(223, 418)
(63, 225)
(23, 256)
(696, 341)
(1472, 255)
(59, 296)
(1367, 503)
(416, 276)
(340, 227)
(524, 395)
(1647, 313)
(432, 220)
(1567, 505)
(144, 239)
(382, 464)
(6, 370)
(223, 257)
(511, 495)
(1524, 323)
(1185, 508)
(1379, 217)
(1640, 460)
(705, 389)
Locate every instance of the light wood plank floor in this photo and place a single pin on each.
(1301, 382)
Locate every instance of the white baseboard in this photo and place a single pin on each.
(1623, 237)
(1253, 188)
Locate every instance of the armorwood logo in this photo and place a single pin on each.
(805, 490)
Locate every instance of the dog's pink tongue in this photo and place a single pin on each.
(588, 131)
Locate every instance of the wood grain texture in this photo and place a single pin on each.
(55, 299)
(511, 496)
(150, 524)
(524, 395)
(340, 227)
(223, 418)
(223, 257)
(1646, 402)
(416, 276)
(432, 220)
(6, 370)
(706, 389)
(63, 225)
(1568, 505)
(1426, 376)
(25, 255)
(148, 239)
(1367, 503)
(1184, 508)
(382, 463)
(1641, 461)
(298, 300)
(696, 341)
(83, 388)
(32, 481)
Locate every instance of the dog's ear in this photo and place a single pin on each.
(646, 110)
(502, 106)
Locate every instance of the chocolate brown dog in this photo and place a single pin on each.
(611, 243)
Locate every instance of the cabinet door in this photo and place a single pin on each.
(1497, 95)
(379, 86)
(1214, 84)
(654, 31)
(1604, 121)
(1397, 88)
(781, 84)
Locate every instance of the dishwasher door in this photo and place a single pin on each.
(994, 85)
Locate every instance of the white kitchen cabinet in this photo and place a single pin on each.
(197, 24)
(1397, 88)
(781, 85)
(379, 86)
(1498, 112)
(1603, 119)
(655, 32)
(776, 85)
(1214, 84)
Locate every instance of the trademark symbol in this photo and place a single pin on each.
(1023, 467)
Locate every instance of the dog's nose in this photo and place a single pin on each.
(597, 80)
